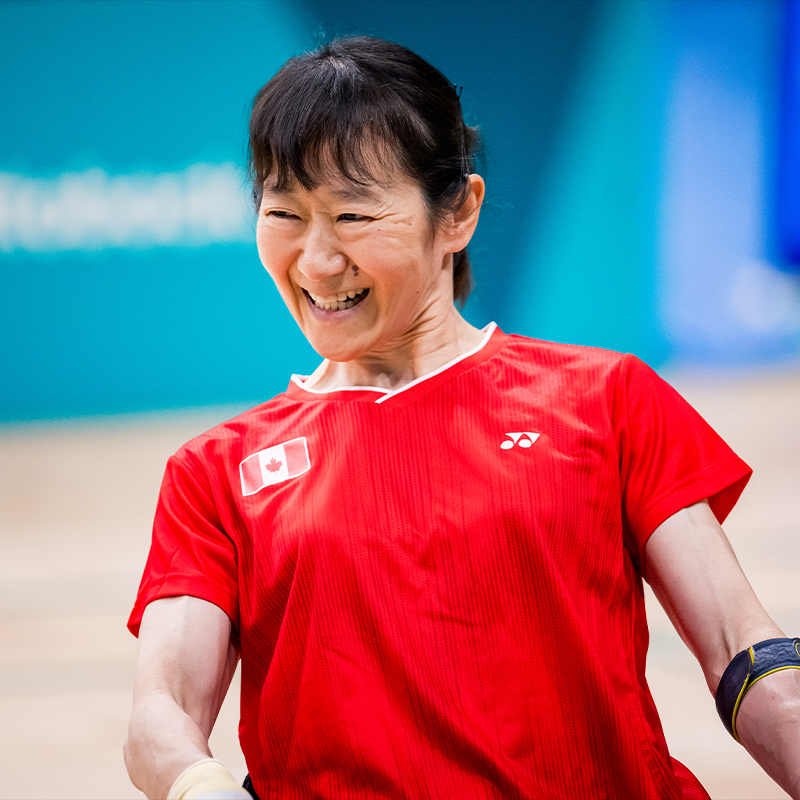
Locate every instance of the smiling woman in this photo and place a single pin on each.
(429, 553)
(362, 163)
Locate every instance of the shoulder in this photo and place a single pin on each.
(578, 365)
(232, 440)
(559, 353)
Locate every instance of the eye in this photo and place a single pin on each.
(352, 217)
(279, 214)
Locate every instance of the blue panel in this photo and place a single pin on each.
(723, 299)
(788, 175)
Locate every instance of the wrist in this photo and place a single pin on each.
(208, 779)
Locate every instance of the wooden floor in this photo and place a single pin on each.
(76, 503)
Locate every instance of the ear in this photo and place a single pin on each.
(465, 218)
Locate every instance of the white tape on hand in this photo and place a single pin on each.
(207, 779)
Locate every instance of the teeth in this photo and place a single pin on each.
(336, 302)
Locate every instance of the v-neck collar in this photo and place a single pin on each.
(493, 339)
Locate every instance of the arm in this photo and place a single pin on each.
(184, 667)
(696, 577)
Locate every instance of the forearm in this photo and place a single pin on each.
(694, 573)
(768, 725)
(163, 740)
(184, 667)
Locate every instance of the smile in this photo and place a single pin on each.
(338, 302)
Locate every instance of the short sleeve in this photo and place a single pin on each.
(670, 457)
(190, 553)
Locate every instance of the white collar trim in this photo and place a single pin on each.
(299, 380)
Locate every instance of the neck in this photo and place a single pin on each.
(427, 346)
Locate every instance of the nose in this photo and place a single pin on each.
(322, 255)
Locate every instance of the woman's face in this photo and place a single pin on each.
(359, 267)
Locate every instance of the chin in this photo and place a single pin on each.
(342, 344)
(340, 354)
(327, 347)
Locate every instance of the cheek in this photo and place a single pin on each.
(276, 259)
(396, 255)
(411, 266)
(274, 254)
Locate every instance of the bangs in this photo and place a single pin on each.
(314, 120)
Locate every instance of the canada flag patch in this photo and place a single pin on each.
(273, 465)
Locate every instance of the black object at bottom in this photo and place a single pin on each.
(248, 787)
(747, 668)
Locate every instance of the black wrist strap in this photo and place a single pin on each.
(749, 667)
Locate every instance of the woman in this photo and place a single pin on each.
(429, 553)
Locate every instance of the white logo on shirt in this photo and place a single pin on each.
(521, 439)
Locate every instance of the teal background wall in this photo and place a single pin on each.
(137, 88)
(629, 149)
(590, 247)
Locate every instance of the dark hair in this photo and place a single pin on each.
(335, 107)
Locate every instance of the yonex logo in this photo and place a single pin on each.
(521, 439)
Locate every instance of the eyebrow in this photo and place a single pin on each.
(353, 191)
(272, 188)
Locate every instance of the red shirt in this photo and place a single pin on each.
(437, 590)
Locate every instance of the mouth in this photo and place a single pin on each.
(337, 302)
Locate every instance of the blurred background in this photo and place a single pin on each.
(643, 169)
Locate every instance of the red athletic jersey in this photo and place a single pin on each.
(437, 590)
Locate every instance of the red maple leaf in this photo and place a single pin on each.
(273, 465)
